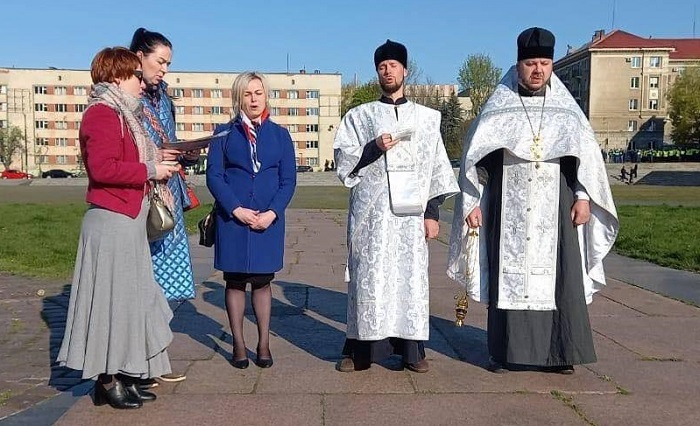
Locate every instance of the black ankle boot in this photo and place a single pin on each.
(136, 392)
(117, 397)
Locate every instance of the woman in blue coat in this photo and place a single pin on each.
(252, 174)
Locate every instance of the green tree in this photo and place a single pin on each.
(479, 76)
(450, 126)
(684, 111)
(367, 92)
(11, 139)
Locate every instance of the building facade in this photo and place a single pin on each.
(47, 105)
(621, 81)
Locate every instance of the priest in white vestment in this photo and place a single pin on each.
(390, 153)
(534, 184)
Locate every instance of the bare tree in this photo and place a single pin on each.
(11, 139)
(479, 76)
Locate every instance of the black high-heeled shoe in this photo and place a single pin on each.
(117, 397)
(262, 362)
(241, 364)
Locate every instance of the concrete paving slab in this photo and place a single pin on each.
(654, 337)
(640, 409)
(208, 409)
(465, 409)
(648, 302)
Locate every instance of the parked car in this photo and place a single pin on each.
(302, 169)
(15, 174)
(57, 173)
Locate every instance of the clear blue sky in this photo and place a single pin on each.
(333, 36)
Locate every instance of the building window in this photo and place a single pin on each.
(61, 108)
(179, 109)
(41, 124)
(217, 110)
(3, 124)
(655, 62)
(312, 144)
(312, 94)
(292, 94)
(80, 91)
(42, 159)
(274, 94)
(654, 82)
(62, 125)
(311, 111)
(634, 104)
(61, 142)
(180, 127)
(634, 83)
(3, 106)
(61, 159)
(77, 125)
(652, 126)
(178, 93)
(312, 127)
(311, 161)
(40, 90)
(197, 93)
(41, 107)
(274, 111)
(3, 89)
(216, 93)
(42, 142)
(632, 126)
(293, 128)
(60, 90)
(293, 111)
(636, 62)
(80, 107)
(653, 104)
(198, 110)
(197, 127)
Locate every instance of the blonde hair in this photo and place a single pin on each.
(240, 84)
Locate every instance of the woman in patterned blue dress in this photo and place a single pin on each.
(172, 264)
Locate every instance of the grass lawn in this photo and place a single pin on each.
(39, 232)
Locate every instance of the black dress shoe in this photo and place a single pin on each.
(146, 384)
(117, 397)
(135, 391)
(496, 367)
(240, 364)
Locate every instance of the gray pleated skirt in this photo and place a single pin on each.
(117, 316)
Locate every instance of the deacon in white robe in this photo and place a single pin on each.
(390, 153)
(533, 182)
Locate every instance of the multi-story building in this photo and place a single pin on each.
(47, 105)
(621, 81)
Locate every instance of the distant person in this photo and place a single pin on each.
(623, 174)
(252, 175)
(633, 172)
(117, 326)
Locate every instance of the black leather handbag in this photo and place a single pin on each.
(207, 228)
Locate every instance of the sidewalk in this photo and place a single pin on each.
(647, 372)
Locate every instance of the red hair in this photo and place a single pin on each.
(113, 63)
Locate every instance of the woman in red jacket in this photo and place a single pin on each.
(117, 326)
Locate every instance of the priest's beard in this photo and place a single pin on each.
(391, 88)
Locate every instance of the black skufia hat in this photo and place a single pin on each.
(391, 50)
(535, 42)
